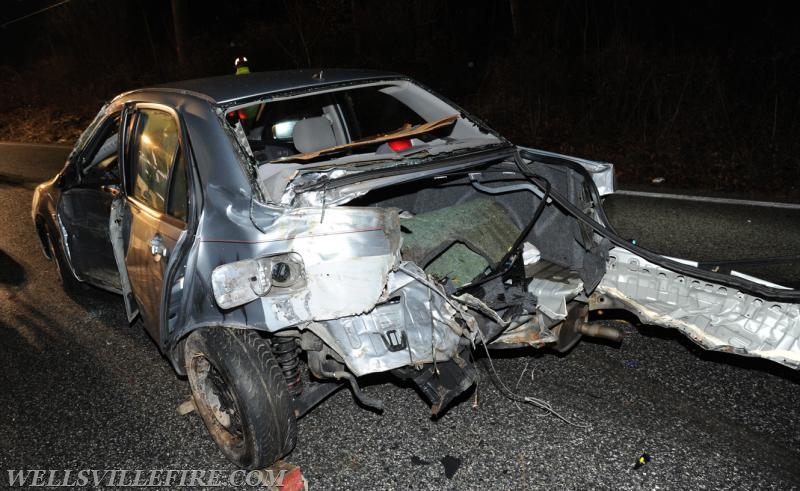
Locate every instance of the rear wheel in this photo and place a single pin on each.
(241, 395)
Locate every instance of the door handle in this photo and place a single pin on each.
(111, 189)
(157, 249)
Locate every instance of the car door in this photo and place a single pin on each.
(85, 204)
(153, 215)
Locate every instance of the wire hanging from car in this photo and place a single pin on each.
(510, 394)
(505, 264)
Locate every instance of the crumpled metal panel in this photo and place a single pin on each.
(602, 172)
(553, 286)
(410, 328)
(531, 332)
(716, 317)
(346, 254)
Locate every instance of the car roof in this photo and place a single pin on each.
(227, 88)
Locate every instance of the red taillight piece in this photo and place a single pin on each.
(400, 145)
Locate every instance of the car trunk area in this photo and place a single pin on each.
(457, 231)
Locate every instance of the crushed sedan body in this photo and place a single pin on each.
(282, 234)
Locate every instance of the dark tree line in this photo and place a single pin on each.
(704, 93)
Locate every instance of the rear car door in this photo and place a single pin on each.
(154, 211)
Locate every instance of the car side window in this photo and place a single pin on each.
(99, 163)
(156, 150)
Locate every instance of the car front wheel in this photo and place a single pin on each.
(241, 395)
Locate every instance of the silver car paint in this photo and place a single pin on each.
(351, 262)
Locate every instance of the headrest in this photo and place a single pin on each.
(312, 134)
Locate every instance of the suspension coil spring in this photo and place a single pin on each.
(286, 354)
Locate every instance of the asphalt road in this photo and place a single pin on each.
(713, 232)
(82, 389)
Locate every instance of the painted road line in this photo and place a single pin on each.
(709, 199)
(36, 145)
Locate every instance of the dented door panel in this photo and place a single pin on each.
(84, 216)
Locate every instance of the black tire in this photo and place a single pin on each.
(241, 395)
(69, 282)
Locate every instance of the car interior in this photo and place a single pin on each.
(283, 127)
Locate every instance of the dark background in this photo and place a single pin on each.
(705, 94)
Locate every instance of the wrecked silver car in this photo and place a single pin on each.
(282, 234)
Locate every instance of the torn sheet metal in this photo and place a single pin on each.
(443, 382)
(273, 179)
(602, 172)
(526, 330)
(344, 256)
(553, 287)
(716, 317)
(297, 180)
(413, 327)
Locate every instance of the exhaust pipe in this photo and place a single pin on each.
(595, 330)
